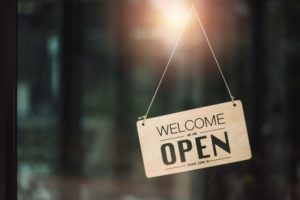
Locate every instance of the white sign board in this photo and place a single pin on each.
(194, 139)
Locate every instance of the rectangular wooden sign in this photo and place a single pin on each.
(194, 139)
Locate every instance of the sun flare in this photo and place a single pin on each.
(174, 16)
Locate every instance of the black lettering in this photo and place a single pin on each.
(187, 127)
(200, 147)
(171, 151)
(213, 120)
(182, 150)
(163, 129)
(217, 142)
(201, 121)
(220, 118)
(180, 131)
(173, 127)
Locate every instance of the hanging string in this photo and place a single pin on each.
(213, 53)
(192, 8)
(168, 64)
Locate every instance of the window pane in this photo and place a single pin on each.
(87, 69)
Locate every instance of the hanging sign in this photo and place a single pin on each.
(194, 139)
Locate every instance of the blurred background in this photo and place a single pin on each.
(87, 69)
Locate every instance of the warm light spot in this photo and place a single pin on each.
(170, 17)
(175, 15)
(172, 14)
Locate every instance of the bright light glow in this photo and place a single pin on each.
(175, 16)
(172, 13)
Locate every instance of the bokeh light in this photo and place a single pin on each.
(175, 16)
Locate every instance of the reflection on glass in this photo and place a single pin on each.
(87, 70)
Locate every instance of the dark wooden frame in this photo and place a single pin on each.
(8, 177)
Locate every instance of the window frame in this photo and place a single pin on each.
(8, 161)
